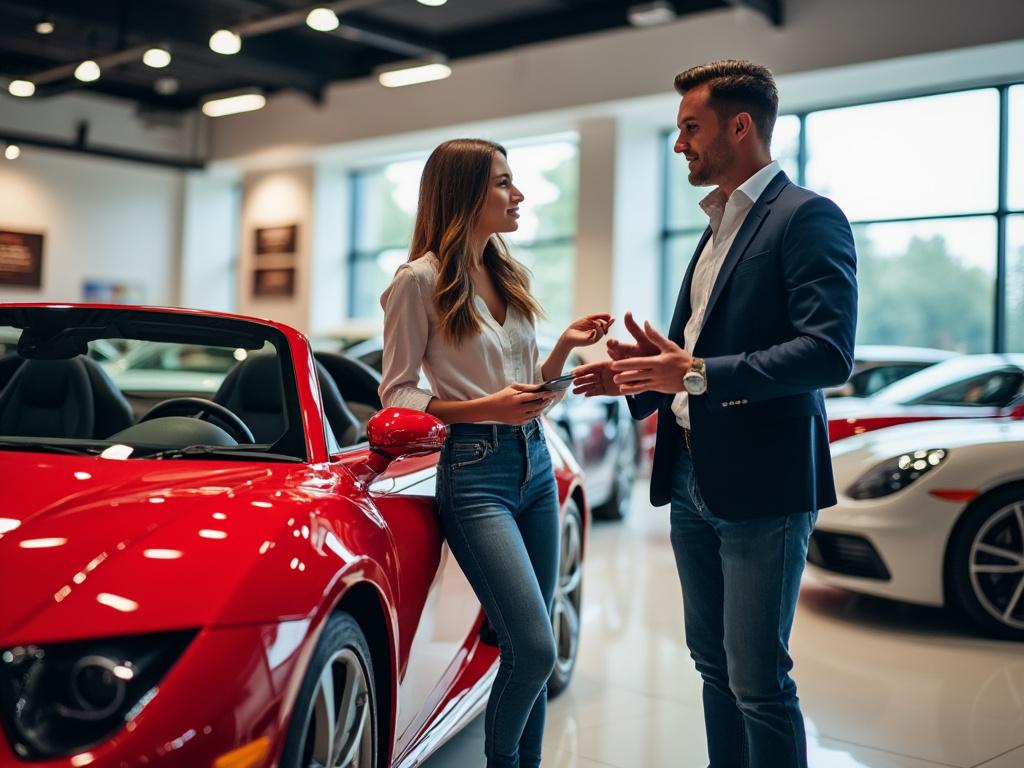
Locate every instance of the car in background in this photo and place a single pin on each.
(876, 367)
(931, 513)
(967, 386)
(598, 431)
(239, 579)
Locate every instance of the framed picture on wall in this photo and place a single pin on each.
(279, 281)
(21, 258)
(272, 241)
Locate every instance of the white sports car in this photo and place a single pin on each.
(931, 513)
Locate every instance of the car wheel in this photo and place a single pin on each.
(623, 477)
(335, 720)
(987, 564)
(565, 609)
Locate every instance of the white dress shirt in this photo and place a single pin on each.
(484, 363)
(726, 216)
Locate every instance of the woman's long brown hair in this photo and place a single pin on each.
(453, 188)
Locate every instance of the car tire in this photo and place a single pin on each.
(986, 564)
(334, 722)
(623, 477)
(565, 608)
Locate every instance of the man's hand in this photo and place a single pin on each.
(659, 372)
(595, 379)
(643, 347)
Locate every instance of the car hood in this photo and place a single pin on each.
(128, 546)
(854, 407)
(855, 454)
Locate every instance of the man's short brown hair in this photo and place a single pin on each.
(736, 86)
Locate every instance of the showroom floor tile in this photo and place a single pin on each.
(883, 685)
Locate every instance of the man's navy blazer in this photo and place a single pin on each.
(779, 326)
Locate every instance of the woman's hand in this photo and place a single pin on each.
(518, 403)
(586, 330)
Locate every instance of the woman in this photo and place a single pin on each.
(461, 310)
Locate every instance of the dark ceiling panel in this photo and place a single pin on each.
(295, 57)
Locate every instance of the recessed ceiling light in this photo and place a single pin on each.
(651, 14)
(88, 71)
(158, 58)
(12, 151)
(22, 88)
(45, 27)
(166, 86)
(432, 3)
(322, 20)
(422, 73)
(225, 41)
(233, 103)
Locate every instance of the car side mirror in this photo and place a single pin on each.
(399, 432)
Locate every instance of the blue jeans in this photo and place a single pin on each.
(741, 580)
(498, 503)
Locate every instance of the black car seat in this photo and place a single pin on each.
(254, 391)
(357, 382)
(62, 398)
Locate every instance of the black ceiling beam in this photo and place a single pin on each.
(81, 146)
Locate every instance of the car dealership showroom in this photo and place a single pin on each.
(701, 445)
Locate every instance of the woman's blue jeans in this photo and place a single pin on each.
(498, 503)
(741, 580)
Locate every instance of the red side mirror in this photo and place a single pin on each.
(398, 432)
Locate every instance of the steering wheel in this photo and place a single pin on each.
(196, 407)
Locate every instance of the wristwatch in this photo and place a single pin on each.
(695, 381)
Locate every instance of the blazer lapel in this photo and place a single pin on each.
(683, 308)
(748, 229)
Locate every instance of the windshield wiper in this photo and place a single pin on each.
(24, 445)
(218, 452)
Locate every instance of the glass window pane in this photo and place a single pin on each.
(1015, 284)
(371, 273)
(385, 204)
(678, 252)
(896, 159)
(553, 275)
(683, 199)
(1016, 166)
(927, 283)
(548, 176)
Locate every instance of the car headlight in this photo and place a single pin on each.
(61, 698)
(895, 474)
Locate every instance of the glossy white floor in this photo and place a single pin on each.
(882, 685)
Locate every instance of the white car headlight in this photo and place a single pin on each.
(896, 473)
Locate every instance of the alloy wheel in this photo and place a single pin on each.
(340, 732)
(565, 610)
(996, 564)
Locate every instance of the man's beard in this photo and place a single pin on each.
(712, 163)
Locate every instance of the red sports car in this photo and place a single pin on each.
(233, 581)
(965, 387)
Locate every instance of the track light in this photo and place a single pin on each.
(234, 102)
(651, 14)
(322, 20)
(225, 41)
(432, 3)
(158, 58)
(413, 75)
(45, 27)
(22, 88)
(12, 151)
(88, 71)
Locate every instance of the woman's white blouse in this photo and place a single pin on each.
(481, 365)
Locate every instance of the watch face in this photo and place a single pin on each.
(694, 383)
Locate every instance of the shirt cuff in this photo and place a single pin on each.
(410, 397)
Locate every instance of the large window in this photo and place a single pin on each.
(937, 220)
(384, 208)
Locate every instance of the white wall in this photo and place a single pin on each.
(102, 220)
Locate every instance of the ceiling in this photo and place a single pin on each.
(278, 50)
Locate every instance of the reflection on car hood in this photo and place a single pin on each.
(127, 546)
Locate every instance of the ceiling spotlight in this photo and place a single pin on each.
(232, 103)
(158, 58)
(651, 14)
(12, 151)
(432, 3)
(322, 20)
(166, 86)
(22, 88)
(88, 71)
(45, 27)
(225, 41)
(413, 75)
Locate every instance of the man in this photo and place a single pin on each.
(765, 318)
